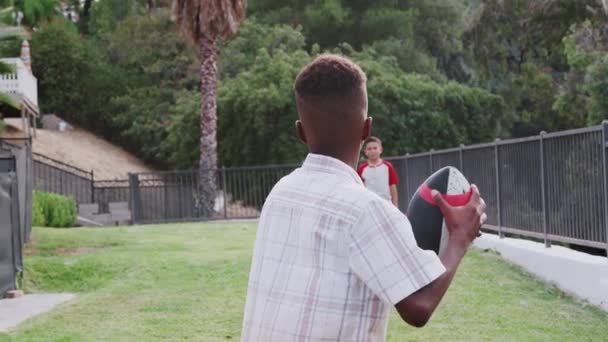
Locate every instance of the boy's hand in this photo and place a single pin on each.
(463, 222)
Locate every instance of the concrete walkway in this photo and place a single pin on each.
(15, 311)
(579, 274)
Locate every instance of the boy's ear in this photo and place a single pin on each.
(367, 128)
(300, 131)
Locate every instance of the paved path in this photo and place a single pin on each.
(15, 311)
(579, 274)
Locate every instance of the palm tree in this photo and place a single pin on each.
(203, 22)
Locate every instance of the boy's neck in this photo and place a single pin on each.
(374, 162)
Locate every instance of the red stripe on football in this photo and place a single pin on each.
(453, 200)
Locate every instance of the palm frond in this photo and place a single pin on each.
(6, 15)
(13, 32)
(6, 68)
(7, 100)
(211, 18)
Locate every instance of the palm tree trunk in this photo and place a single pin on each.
(208, 126)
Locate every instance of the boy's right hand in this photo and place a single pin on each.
(463, 222)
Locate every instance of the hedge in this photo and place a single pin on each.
(53, 210)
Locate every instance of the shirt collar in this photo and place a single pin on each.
(322, 163)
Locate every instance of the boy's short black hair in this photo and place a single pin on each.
(372, 139)
(328, 76)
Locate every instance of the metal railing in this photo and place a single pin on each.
(552, 186)
(52, 175)
(109, 191)
(174, 196)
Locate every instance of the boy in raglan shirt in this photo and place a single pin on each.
(377, 174)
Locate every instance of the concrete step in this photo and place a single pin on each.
(88, 209)
(115, 206)
(103, 219)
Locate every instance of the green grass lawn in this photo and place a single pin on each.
(188, 282)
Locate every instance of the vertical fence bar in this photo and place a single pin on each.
(498, 203)
(61, 183)
(166, 184)
(543, 187)
(92, 187)
(134, 198)
(461, 158)
(431, 160)
(407, 175)
(605, 167)
(225, 192)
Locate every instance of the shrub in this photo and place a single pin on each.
(38, 217)
(53, 210)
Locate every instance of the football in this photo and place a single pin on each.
(425, 216)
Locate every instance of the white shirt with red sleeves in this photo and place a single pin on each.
(330, 259)
(379, 178)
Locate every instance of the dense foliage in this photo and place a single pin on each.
(53, 210)
(441, 73)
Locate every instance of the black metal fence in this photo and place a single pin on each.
(108, 191)
(173, 196)
(551, 186)
(52, 175)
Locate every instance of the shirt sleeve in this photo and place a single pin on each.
(393, 178)
(360, 170)
(384, 254)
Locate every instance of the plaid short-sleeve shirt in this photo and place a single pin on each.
(330, 259)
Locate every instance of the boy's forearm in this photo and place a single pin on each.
(394, 195)
(418, 308)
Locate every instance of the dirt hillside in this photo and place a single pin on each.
(84, 150)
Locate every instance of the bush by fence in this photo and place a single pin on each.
(53, 210)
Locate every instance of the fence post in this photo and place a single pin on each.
(61, 183)
(543, 187)
(407, 176)
(134, 197)
(225, 192)
(460, 153)
(92, 186)
(605, 167)
(431, 160)
(498, 203)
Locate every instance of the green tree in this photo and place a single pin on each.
(36, 12)
(598, 90)
(60, 61)
(75, 80)
(582, 95)
(106, 15)
(256, 109)
(157, 67)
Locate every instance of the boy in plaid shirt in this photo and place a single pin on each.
(331, 258)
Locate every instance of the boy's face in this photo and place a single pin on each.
(373, 150)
